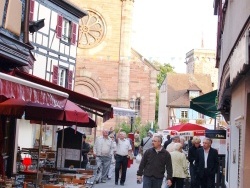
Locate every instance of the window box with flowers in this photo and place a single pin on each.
(183, 120)
(200, 121)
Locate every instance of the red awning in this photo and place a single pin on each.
(17, 108)
(90, 104)
(90, 124)
(13, 87)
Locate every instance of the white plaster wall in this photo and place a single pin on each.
(238, 105)
(25, 134)
(236, 16)
(163, 110)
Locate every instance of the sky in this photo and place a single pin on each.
(165, 30)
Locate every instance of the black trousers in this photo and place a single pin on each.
(208, 180)
(84, 163)
(194, 177)
(121, 162)
(177, 182)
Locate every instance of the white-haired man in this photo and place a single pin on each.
(123, 149)
(207, 163)
(103, 150)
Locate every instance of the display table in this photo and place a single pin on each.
(69, 170)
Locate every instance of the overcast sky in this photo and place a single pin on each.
(166, 30)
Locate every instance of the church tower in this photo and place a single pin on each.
(125, 51)
(107, 67)
(202, 61)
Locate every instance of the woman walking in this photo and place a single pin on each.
(196, 144)
(180, 166)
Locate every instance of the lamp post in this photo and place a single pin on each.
(132, 106)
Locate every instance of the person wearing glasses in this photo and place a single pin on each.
(154, 163)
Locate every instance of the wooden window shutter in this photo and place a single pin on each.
(32, 7)
(59, 26)
(55, 75)
(70, 78)
(73, 33)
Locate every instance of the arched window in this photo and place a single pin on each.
(138, 106)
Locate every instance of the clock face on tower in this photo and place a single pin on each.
(92, 30)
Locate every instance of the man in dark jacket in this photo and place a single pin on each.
(206, 163)
(192, 151)
(85, 150)
(167, 142)
(154, 163)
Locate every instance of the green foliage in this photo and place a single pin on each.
(137, 126)
(124, 127)
(164, 69)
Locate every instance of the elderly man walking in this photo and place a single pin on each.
(207, 163)
(103, 150)
(123, 149)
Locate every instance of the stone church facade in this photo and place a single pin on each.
(107, 67)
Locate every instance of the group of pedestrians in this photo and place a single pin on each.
(162, 165)
(111, 152)
(172, 163)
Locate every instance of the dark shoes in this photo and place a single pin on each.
(122, 183)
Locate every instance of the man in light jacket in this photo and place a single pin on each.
(103, 150)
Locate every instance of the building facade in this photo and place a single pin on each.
(17, 20)
(202, 61)
(107, 66)
(175, 94)
(55, 44)
(232, 59)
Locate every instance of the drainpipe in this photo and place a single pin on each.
(26, 22)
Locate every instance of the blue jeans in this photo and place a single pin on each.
(136, 151)
(152, 182)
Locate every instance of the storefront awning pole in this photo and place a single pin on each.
(39, 151)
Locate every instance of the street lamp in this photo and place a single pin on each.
(132, 106)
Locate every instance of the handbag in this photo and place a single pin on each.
(138, 158)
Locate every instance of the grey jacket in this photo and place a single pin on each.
(146, 143)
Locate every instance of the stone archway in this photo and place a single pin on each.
(88, 86)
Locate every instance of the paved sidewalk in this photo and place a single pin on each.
(129, 183)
